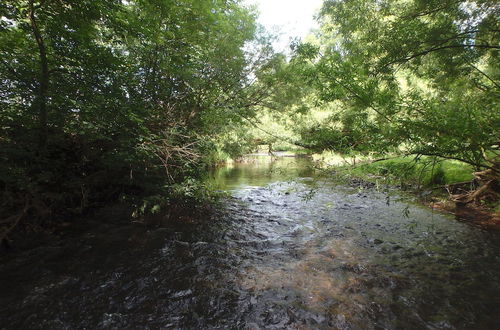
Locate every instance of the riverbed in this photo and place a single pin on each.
(287, 249)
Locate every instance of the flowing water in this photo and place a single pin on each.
(285, 251)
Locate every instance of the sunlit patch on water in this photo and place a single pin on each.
(329, 280)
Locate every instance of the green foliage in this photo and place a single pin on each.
(106, 98)
(415, 77)
(422, 171)
(103, 99)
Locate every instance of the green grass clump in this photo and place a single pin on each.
(425, 171)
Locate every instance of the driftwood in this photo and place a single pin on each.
(488, 189)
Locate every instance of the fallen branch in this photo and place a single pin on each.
(488, 190)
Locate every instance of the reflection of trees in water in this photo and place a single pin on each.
(306, 171)
(262, 170)
(283, 168)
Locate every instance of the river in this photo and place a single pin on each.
(287, 249)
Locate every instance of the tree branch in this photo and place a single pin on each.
(484, 74)
(427, 51)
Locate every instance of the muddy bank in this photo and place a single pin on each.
(472, 214)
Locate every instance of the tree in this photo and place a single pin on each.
(415, 76)
(106, 98)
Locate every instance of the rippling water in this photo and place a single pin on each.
(287, 251)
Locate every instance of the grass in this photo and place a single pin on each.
(423, 172)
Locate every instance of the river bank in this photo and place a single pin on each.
(436, 184)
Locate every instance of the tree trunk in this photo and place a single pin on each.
(44, 79)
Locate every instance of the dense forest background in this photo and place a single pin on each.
(113, 100)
